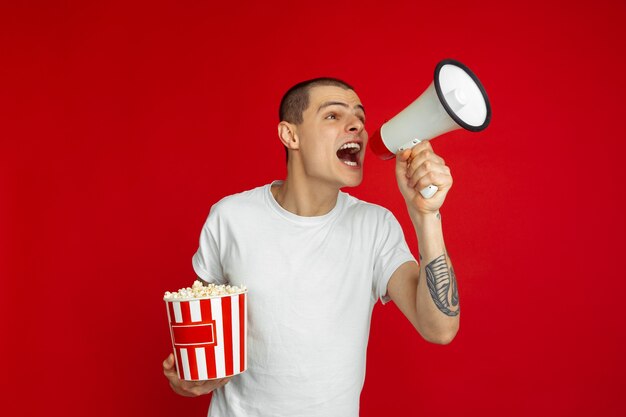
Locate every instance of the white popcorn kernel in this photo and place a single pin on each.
(201, 290)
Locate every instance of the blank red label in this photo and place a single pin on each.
(199, 334)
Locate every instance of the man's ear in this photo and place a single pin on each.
(287, 133)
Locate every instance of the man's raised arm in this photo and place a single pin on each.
(427, 295)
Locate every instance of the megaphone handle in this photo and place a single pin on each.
(429, 191)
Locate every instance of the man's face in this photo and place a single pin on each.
(333, 137)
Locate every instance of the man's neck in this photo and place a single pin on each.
(305, 198)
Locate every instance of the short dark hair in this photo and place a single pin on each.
(296, 99)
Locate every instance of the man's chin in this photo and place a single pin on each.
(353, 182)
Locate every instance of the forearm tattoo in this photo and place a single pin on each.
(442, 286)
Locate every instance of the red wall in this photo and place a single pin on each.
(120, 125)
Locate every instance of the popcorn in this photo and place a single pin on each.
(200, 290)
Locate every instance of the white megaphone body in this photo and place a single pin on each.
(455, 99)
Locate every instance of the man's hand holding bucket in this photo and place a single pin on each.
(189, 388)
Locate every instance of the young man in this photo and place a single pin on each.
(316, 260)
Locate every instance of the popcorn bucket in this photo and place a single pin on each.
(209, 336)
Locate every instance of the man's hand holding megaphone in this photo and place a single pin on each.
(416, 169)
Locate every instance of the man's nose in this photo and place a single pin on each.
(355, 125)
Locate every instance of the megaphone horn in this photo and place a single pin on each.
(455, 99)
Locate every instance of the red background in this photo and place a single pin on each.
(121, 124)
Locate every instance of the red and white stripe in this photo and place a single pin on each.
(209, 336)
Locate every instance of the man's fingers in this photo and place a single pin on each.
(169, 370)
(419, 169)
(224, 381)
(416, 160)
(168, 363)
(421, 147)
(204, 387)
(426, 155)
(439, 179)
(428, 167)
(402, 159)
(189, 388)
(196, 388)
(415, 181)
(207, 383)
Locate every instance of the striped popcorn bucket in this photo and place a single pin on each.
(209, 336)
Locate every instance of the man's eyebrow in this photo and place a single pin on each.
(339, 103)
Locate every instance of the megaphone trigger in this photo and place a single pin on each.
(429, 191)
(408, 145)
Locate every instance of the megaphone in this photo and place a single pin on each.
(455, 99)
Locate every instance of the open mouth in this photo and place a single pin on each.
(349, 153)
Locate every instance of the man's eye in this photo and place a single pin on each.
(331, 116)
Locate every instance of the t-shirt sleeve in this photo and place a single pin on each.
(392, 252)
(206, 261)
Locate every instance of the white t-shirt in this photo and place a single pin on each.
(313, 282)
